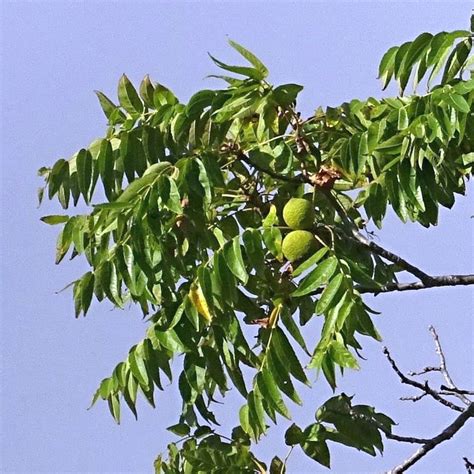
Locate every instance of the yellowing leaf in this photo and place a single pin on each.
(199, 301)
(274, 315)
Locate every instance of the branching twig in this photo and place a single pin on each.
(423, 387)
(469, 465)
(452, 390)
(446, 434)
(442, 366)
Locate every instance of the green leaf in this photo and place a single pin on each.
(147, 90)
(293, 435)
(87, 290)
(268, 388)
(114, 407)
(286, 94)
(251, 58)
(198, 102)
(342, 356)
(55, 219)
(313, 260)
(280, 374)
(320, 275)
(180, 429)
(273, 239)
(287, 356)
(456, 60)
(128, 96)
(242, 70)
(387, 65)
(138, 367)
(327, 297)
(318, 451)
(84, 172)
(403, 121)
(458, 102)
(289, 322)
(233, 258)
(277, 466)
(109, 108)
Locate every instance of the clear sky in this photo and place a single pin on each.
(53, 55)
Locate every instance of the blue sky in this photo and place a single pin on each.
(54, 54)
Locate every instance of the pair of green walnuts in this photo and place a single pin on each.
(299, 216)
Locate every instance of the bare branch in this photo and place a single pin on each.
(415, 398)
(442, 366)
(423, 387)
(445, 435)
(406, 439)
(457, 390)
(434, 281)
(469, 465)
(425, 370)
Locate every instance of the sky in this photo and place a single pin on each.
(53, 55)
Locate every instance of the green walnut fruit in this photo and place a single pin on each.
(298, 244)
(298, 214)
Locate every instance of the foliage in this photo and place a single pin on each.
(190, 229)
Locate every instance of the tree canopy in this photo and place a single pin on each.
(188, 224)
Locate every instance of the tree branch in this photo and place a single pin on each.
(469, 465)
(401, 262)
(457, 390)
(424, 387)
(433, 282)
(443, 369)
(446, 434)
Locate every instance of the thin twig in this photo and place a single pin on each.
(457, 390)
(425, 370)
(435, 281)
(442, 365)
(414, 398)
(469, 465)
(446, 434)
(406, 439)
(423, 387)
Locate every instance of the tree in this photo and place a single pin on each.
(193, 225)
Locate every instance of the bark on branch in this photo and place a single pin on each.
(434, 281)
(446, 434)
